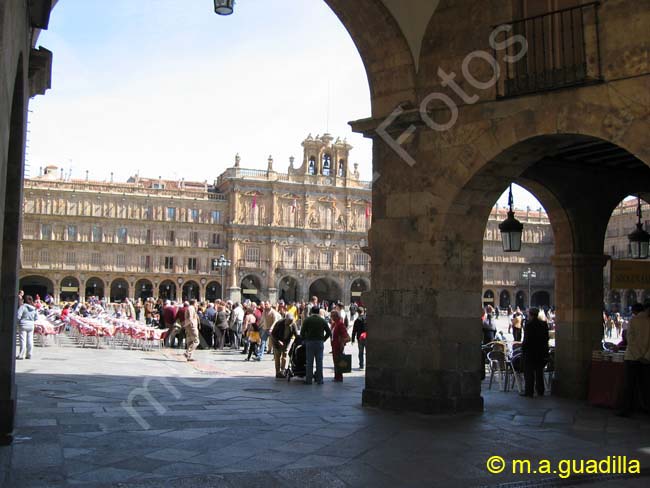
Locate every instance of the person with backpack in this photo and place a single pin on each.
(359, 332)
(27, 315)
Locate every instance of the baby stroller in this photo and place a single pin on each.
(297, 360)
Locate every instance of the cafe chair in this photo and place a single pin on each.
(497, 362)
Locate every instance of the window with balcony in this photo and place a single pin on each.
(171, 213)
(194, 215)
(145, 263)
(194, 238)
(120, 260)
(28, 256)
(327, 259)
(45, 256)
(252, 255)
(122, 235)
(96, 259)
(546, 49)
(290, 257)
(191, 264)
(72, 232)
(360, 259)
(97, 234)
(169, 263)
(171, 236)
(216, 217)
(70, 258)
(46, 232)
(148, 212)
(215, 240)
(29, 229)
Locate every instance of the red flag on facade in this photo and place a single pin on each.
(294, 206)
(254, 201)
(367, 211)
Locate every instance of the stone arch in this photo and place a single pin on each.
(488, 298)
(69, 289)
(358, 287)
(213, 291)
(119, 290)
(630, 298)
(289, 289)
(251, 287)
(504, 299)
(191, 290)
(36, 285)
(541, 298)
(167, 290)
(521, 300)
(326, 289)
(144, 289)
(94, 287)
(384, 72)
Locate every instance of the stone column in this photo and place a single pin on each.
(579, 330)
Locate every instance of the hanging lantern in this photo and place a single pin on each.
(639, 239)
(511, 229)
(224, 7)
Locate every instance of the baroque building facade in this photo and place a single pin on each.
(287, 235)
(504, 281)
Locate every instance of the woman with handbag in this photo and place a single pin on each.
(340, 338)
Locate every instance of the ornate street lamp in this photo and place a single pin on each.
(529, 274)
(222, 264)
(639, 239)
(511, 229)
(224, 7)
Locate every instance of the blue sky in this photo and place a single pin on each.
(167, 88)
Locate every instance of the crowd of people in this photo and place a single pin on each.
(253, 328)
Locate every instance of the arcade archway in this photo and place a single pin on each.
(251, 288)
(69, 289)
(326, 289)
(289, 289)
(213, 291)
(191, 291)
(143, 289)
(541, 299)
(167, 290)
(94, 288)
(357, 289)
(36, 286)
(119, 290)
(488, 298)
(504, 299)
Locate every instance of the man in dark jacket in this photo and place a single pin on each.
(315, 332)
(359, 332)
(535, 350)
(283, 332)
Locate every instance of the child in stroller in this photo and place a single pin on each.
(297, 359)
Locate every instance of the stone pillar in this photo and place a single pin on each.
(273, 295)
(579, 330)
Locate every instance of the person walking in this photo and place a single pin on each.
(535, 351)
(27, 315)
(269, 318)
(340, 338)
(515, 325)
(283, 332)
(191, 326)
(359, 332)
(315, 332)
(236, 321)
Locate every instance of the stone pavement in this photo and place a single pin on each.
(224, 422)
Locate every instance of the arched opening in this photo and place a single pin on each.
(311, 168)
(646, 297)
(504, 299)
(327, 165)
(213, 291)
(119, 290)
(167, 290)
(341, 170)
(69, 289)
(143, 289)
(191, 290)
(615, 304)
(541, 299)
(37, 286)
(251, 288)
(94, 288)
(357, 289)
(289, 289)
(630, 299)
(520, 300)
(326, 289)
(488, 298)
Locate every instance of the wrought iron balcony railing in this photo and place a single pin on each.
(562, 49)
